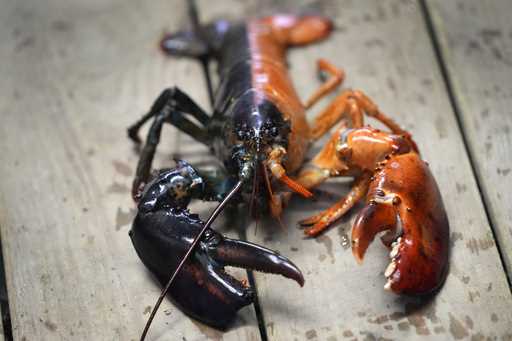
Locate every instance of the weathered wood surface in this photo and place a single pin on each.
(386, 50)
(476, 45)
(76, 74)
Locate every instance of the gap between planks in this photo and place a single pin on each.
(436, 46)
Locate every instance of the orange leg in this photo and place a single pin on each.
(337, 76)
(352, 103)
(371, 109)
(326, 218)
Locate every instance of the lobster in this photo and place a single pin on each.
(258, 130)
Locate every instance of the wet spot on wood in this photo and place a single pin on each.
(461, 188)
(374, 43)
(347, 333)
(473, 295)
(439, 330)
(503, 172)
(24, 43)
(326, 240)
(311, 334)
(489, 287)
(147, 310)
(403, 326)
(489, 35)
(478, 337)
(494, 317)
(488, 146)
(122, 168)
(368, 336)
(473, 46)
(294, 249)
(124, 217)
(396, 316)
(61, 26)
(455, 237)
(51, 326)
(457, 329)
(469, 322)
(465, 279)
(419, 324)
(379, 320)
(440, 127)
(118, 188)
(427, 82)
(361, 313)
(391, 84)
(477, 245)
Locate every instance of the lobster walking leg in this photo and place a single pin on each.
(337, 76)
(324, 219)
(171, 106)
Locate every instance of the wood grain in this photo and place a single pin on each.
(476, 45)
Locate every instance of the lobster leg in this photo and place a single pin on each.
(171, 106)
(337, 76)
(178, 101)
(326, 218)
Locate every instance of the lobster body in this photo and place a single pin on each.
(259, 132)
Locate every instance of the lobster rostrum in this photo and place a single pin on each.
(258, 129)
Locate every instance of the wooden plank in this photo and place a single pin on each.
(74, 76)
(386, 50)
(476, 44)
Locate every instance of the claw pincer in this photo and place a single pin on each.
(404, 198)
(163, 231)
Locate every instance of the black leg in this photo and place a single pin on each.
(172, 106)
(147, 154)
(174, 100)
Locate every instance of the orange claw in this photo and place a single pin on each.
(413, 204)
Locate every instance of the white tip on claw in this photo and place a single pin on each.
(390, 269)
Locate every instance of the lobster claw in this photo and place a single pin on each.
(202, 289)
(412, 213)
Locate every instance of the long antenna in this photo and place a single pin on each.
(210, 220)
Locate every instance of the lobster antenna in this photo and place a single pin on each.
(210, 220)
(198, 30)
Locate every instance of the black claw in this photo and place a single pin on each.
(163, 232)
(255, 257)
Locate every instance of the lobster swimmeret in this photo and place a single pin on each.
(258, 129)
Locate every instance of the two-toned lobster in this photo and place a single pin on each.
(258, 129)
